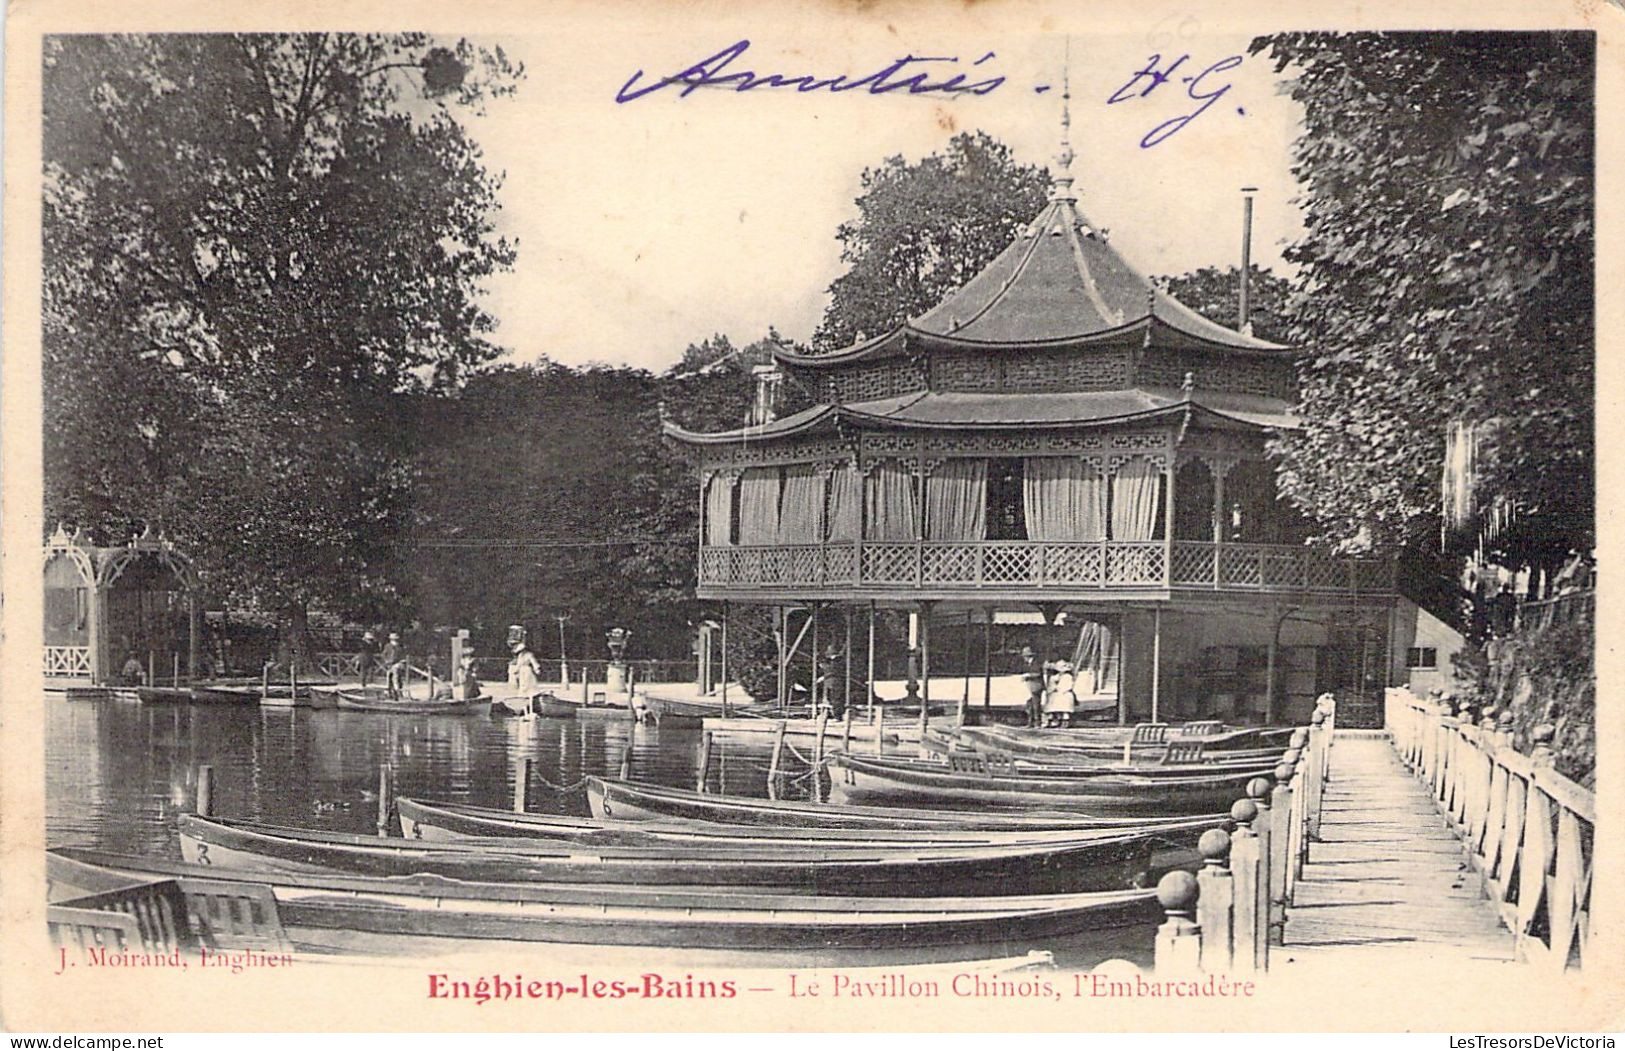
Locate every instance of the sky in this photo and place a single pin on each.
(648, 225)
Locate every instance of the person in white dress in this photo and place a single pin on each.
(1063, 697)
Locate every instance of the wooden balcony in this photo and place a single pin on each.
(1038, 569)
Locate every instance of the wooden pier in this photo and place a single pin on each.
(1433, 840)
(1388, 871)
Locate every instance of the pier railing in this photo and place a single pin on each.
(1526, 829)
(1224, 919)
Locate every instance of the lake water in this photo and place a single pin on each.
(118, 774)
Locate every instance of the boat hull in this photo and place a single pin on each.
(452, 822)
(375, 699)
(825, 868)
(426, 915)
(629, 801)
(856, 779)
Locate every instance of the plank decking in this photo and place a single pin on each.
(1388, 872)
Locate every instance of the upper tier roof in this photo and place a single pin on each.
(1058, 282)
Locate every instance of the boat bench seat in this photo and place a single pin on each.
(181, 913)
(1182, 752)
(982, 762)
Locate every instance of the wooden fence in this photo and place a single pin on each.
(1527, 829)
(1224, 919)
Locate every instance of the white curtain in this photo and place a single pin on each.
(719, 500)
(759, 505)
(956, 501)
(1135, 500)
(801, 511)
(1064, 499)
(845, 503)
(890, 502)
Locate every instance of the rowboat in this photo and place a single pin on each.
(855, 778)
(613, 706)
(221, 693)
(1031, 757)
(526, 704)
(433, 821)
(891, 732)
(635, 801)
(377, 699)
(1232, 746)
(1103, 863)
(164, 694)
(422, 916)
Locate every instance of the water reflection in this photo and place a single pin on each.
(119, 774)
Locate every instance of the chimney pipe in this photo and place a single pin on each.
(1245, 323)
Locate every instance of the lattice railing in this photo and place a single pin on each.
(67, 662)
(1102, 564)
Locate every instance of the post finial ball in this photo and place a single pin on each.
(1177, 891)
(1283, 773)
(1291, 756)
(1242, 811)
(1543, 734)
(1300, 737)
(1259, 788)
(1214, 844)
(1319, 717)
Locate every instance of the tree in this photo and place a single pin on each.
(1446, 273)
(923, 230)
(254, 246)
(1216, 295)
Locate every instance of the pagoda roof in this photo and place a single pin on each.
(945, 410)
(1059, 282)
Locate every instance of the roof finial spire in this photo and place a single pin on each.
(1061, 180)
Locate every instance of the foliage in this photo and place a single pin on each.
(1446, 272)
(1216, 295)
(254, 247)
(923, 230)
(1543, 676)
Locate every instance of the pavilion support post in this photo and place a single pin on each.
(1219, 472)
(964, 655)
(925, 671)
(846, 682)
(1122, 694)
(725, 660)
(781, 631)
(872, 697)
(814, 690)
(1156, 661)
(987, 661)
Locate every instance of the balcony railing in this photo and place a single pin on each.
(1002, 564)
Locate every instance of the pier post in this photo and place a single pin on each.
(1279, 858)
(585, 699)
(205, 791)
(1215, 902)
(778, 751)
(150, 669)
(846, 735)
(521, 782)
(265, 683)
(386, 792)
(1258, 793)
(1179, 939)
(1246, 865)
(705, 762)
(175, 670)
(626, 761)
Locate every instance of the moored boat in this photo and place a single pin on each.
(1105, 862)
(377, 699)
(856, 778)
(434, 821)
(431, 915)
(628, 800)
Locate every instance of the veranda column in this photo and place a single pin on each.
(1156, 659)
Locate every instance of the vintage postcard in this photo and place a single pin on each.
(808, 517)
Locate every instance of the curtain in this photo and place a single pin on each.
(1135, 500)
(845, 503)
(956, 501)
(1064, 499)
(890, 503)
(759, 505)
(719, 498)
(801, 512)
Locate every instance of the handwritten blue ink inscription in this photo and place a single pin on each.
(710, 73)
(1197, 88)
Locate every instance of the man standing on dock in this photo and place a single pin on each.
(394, 662)
(1032, 674)
(364, 655)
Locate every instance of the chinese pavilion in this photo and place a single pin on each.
(1055, 435)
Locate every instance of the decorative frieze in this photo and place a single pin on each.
(1269, 377)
